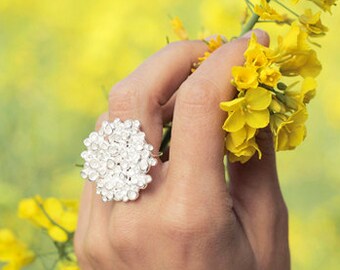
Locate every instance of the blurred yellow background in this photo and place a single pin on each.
(58, 60)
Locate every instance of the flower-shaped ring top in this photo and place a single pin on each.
(118, 159)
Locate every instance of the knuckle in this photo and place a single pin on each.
(94, 246)
(124, 94)
(90, 248)
(199, 94)
(123, 236)
(186, 223)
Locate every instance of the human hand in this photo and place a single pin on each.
(188, 217)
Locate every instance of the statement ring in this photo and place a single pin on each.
(118, 159)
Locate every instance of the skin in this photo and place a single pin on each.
(188, 217)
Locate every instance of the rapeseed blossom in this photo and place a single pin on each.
(13, 252)
(51, 214)
(312, 23)
(283, 105)
(178, 28)
(267, 12)
(250, 109)
(266, 93)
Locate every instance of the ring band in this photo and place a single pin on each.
(118, 159)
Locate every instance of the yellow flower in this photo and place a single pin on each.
(13, 252)
(266, 12)
(325, 4)
(243, 152)
(295, 40)
(68, 265)
(308, 89)
(269, 76)
(256, 59)
(257, 55)
(57, 234)
(215, 43)
(291, 132)
(241, 136)
(312, 23)
(244, 77)
(58, 217)
(53, 208)
(305, 93)
(200, 61)
(251, 109)
(68, 220)
(29, 209)
(303, 63)
(178, 28)
(294, 55)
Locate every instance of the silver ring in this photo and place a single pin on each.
(118, 159)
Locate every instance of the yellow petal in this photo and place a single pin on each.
(308, 89)
(239, 136)
(57, 234)
(232, 105)
(297, 136)
(235, 121)
(257, 119)
(53, 208)
(68, 221)
(28, 208)
(258, 99)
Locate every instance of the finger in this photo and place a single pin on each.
(98, 223)
(197, 146)
(82, 226)
(257, 178)
(254, 185)
(142, 94)
(258, 201)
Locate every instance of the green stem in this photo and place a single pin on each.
(286, 8)
(50, 219)
(165, 140)
(250, 24)
(250, 6)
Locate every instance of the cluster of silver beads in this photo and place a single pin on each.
(118, 159)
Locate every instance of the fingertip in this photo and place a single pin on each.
(262, 36)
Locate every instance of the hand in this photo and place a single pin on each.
(188, 217)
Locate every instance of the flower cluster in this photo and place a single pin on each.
(274, 85)
(57, 217)
(13, 253)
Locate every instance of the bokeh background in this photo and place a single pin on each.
(58, 60)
